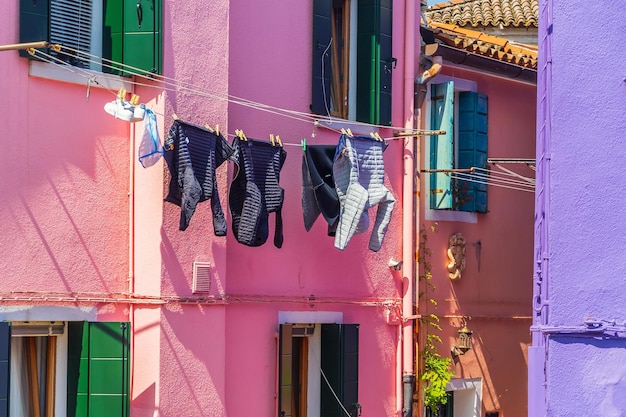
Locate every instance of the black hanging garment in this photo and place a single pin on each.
(192, 154)
(319, 195)
(254, 191)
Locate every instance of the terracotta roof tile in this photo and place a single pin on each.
(485, 13)
(487, 45)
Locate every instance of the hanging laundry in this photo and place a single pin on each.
(255, 191)
(319, 195)
(359, 173)
(129, 111)
(195, 154)
(150, 148)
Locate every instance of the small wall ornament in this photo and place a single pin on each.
(456, 256)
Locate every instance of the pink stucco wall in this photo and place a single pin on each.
(221, 359)
(80, 216)
(496, 286)
(66, 182)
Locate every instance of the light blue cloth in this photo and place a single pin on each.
(359, 174)
(150, 147)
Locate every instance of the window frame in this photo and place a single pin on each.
(365, 85)
(446, 214)
(66, 360)
(123, 39)
(332, 348)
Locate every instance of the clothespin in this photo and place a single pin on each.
(303, 144)
(279, 142)
(349, 132)
(376, 136)
(272, 139)
(343, 131)
(217, 130)
(241, 135)
(174, 116)
(209, 128)
(121, 94)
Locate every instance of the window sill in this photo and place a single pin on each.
(58, 73)
(336, 123)
(450, 216)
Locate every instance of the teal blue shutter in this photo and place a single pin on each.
(442, 146)
(34, 22)
(5, 367)
(285, 353)
(374, 61)
(472, 145)
(322, 30)
(340, 365)
(98, 369)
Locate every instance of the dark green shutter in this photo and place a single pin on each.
(5, 367)
(142, 34)
(322, 30)
(285, 353)
(472, 145)
(112, 34)
(340, 365)
(34, 22)
(374, 61)
(98, 369)
(132, 34)
(442, 146)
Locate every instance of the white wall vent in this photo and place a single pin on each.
(201, 277)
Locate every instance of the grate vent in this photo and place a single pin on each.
(201, 277)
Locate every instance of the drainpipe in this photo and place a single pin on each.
(537, 352)
(408, 207)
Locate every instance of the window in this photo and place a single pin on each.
(352, 59)
(81, 369)
(458, 158)
(124, 31)
(318, 370)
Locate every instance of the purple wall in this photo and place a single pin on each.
(580, 211)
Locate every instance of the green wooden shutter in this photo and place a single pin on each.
(132, 34)
(142, 34)
(34, 22)
(285, 352)
(340, 365)
(98, 369)
(374, 61)
(472, 144)
(112, 33)
(322, 30)
(5, 367)
(442, 146)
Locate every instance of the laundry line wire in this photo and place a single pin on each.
(495, 180)
(191, 88)
(486, 175)
(512, 177)
(485, 182)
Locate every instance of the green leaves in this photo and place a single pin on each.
(436, 372)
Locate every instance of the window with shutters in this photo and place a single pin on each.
(458, 171)
(64, 369)
(352, 60)
(93, 33)
(318, 370)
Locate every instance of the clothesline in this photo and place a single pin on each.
(177, 86)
